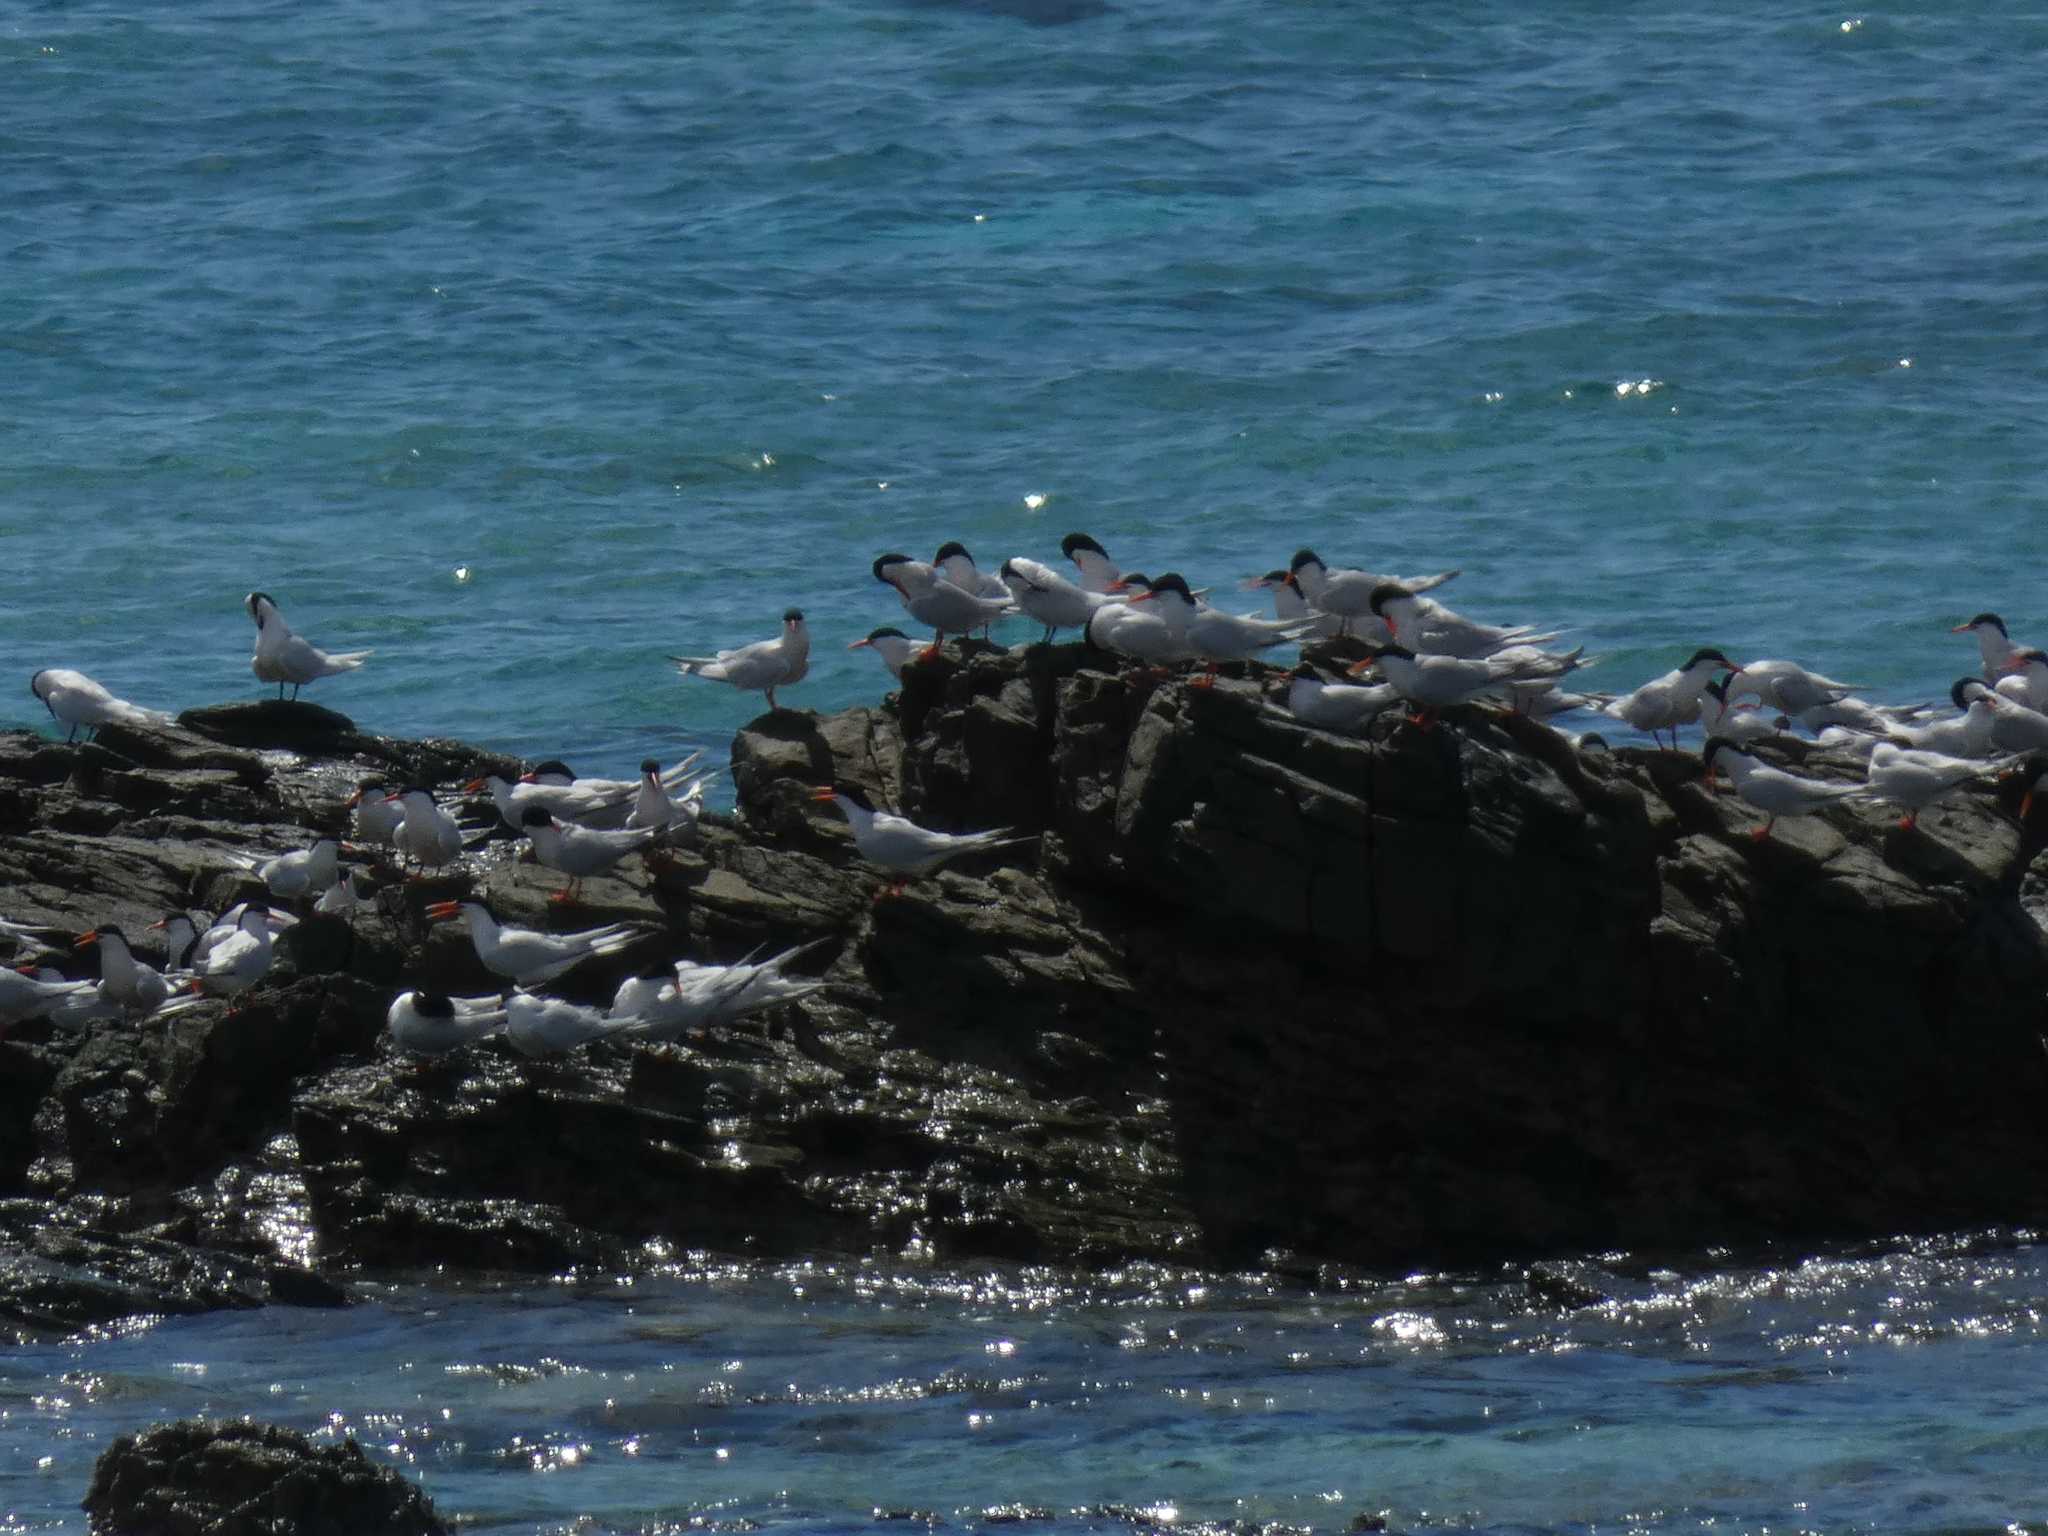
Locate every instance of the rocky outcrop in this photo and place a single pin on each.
(1419, 996)
(236, 1479)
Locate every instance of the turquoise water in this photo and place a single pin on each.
(1891, 1392)
(1671, 325)
(658, 320)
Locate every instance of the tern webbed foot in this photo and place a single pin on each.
(1758, 834)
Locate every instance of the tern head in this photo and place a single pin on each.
(1982, 621)
(553, 768)
(255, 917)
(2021, 660)
(1074, 542)
(952, 549)
(433, 1005)
(442, 911)
(1132, 581)
(885, 569)
(536, 816)
(1708, 654)
(1304, 557)
(792, 617)
(853, 794)
(367, 789)
(261, 606)
(886, 632)
(1713, 747)
(1965, 691)
(1386, 592)
(1170, 585)
(651, 768)
(104, 931)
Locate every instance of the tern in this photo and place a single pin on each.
(1096, 572)
(1665, 703)
(1433, 683)
(282, 657)
(762, 667)
(426, 834)
(1732, 722)
(75, 700)
(342, 897)
(187, 944)
(931, 599)
(1144, 635)
(525, 956)
(433, 1023)
(373, 815)
(303, 872)
(1993, 643)
(133, 987)
(889, 643)
(1049, 597)
(25, 997)
(695, 997)
(1427, 626)
(1348, 707)
(1913, 780)
(239, 961)
(1212, 635)
(547, 1026)
(580, 852)
(655, 806)
(1290, 603)
(570, 802)
(1348, 593)
(1786, 685)
(2026, 678)
(1967, 734)
(1772, 790)
(955, 564)
(900, 845)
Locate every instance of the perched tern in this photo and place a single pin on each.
(931, 599)
(1212, 635)
(239, 961)
(426, 834)
(135, 988)
(762, 667)
(1913, 780)
(373, 815)
(892, 645)
(282, 657)
(570, 802)
(1289, 603)
(75, 700)
(957, 566)
(342, 897)
(1426, 626)
(548, 1026)
(1993, 643)
(24, 997)
(1966, 734)
(2015, 727)
(666, 1006)
(1347, 594)
(1096, 572)
(1665, 703)
(2026, 678)
(555, 771)
(654, 806)
(433, 1023)
(1432, 683)
(1347, 707)
(1772, 790)
(1738, 723)
(1132, 630)
(1786, 685)
(580, 852)
(1049, 597)
(526, 956)
(217, 931)
(900, 845)
(303, 872)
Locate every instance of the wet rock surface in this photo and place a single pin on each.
(238, 1479)
(1433, 995)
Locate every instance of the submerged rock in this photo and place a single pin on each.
(1418, 996)
(199, 1477)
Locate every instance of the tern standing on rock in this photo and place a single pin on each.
(75, 700)
(900, 845)
(762, 667)
(283, 657)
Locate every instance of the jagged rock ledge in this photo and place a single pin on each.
(1426, 996)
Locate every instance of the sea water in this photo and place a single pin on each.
(529, 345)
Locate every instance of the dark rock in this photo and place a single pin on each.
(240, 1479)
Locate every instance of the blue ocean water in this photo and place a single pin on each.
(529, 344)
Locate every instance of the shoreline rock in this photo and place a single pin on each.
(1447, 996)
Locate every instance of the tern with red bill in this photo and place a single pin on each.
(1665, 703)
(76, 701)
(1772, 790)
(891, 645)
(433, 1023)
(900, 845)
(932, 600)
(126, 982)
(580, 852)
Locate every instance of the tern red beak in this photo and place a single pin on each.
(824, 792)
(87, 938)
(857, 644)
(437, 910)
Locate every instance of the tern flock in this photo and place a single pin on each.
(1426, 657)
